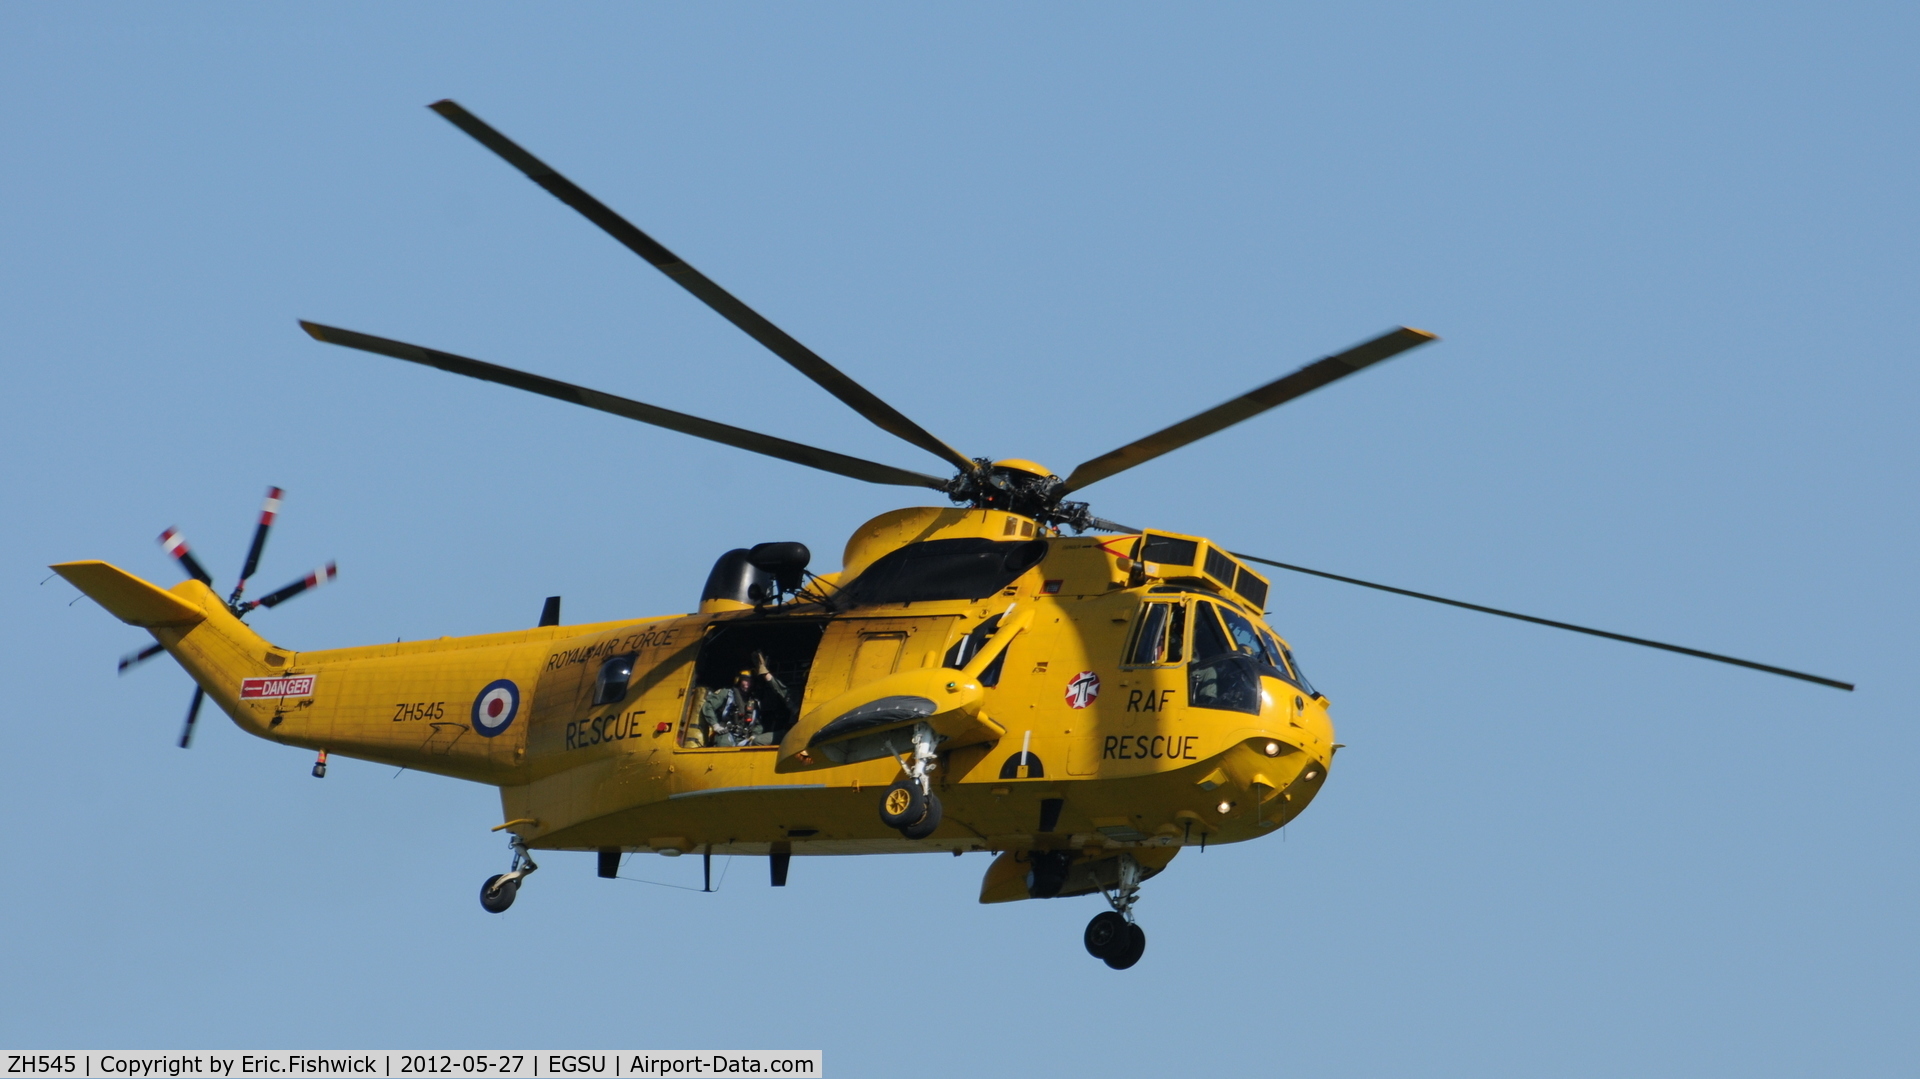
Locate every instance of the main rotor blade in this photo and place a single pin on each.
(802, 358)
(825, 460)
(1695, 652)
(1246, 406)
(268, 511)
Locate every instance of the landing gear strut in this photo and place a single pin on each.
(910, 804)
(496, 895)
(1113, 936)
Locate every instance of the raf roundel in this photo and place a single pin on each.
(495, 707)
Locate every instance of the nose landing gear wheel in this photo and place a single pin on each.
(496, 895)
(1132, 945)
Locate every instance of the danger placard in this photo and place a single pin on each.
(289, 685)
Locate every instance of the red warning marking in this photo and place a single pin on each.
(286, 685)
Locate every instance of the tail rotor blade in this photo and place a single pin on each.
(312, 580)
(193, 713)
(1641, 641)
(268, 511)
(134, 659)
(176, 545)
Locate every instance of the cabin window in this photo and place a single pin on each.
(611, 686)
(1160, 635)
(727, 710)
(966, 648)
(942, 569)
(1222, 676)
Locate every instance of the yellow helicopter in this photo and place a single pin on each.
(982, 676)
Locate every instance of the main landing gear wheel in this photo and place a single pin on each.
(910, 804)
(496, 895)
(1105, 934)
(1113, 937)
(903, 804)
(1131, 946)
(925, 826)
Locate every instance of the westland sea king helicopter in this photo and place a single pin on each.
(980, 676)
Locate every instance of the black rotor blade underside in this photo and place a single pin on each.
(1246, 406)
(812, 457)
(1694, 652)
(134, 659)
(782, 344)
(193, 716)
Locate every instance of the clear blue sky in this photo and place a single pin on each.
(1671, 250)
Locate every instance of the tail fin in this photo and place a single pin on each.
(217, 649)
(128, 598)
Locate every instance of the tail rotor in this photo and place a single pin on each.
(176, 545)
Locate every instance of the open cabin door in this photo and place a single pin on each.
(726, 711)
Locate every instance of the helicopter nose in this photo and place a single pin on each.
(1293, 717)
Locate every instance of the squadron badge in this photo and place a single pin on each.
(1083, 689)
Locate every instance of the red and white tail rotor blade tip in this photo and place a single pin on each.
(315, 579)
(269, 511)
(175, 544)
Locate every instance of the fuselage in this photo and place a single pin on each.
(1144, 705)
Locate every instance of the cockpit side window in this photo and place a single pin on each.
(1150, 635)
(1299, 679)
(1281, 661)
(1159, 636)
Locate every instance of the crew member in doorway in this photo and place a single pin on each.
(754, 711)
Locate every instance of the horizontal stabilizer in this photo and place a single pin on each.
(128, 598)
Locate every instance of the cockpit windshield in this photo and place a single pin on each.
(1223, 674)
(1265, 649)
(1249, 641)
